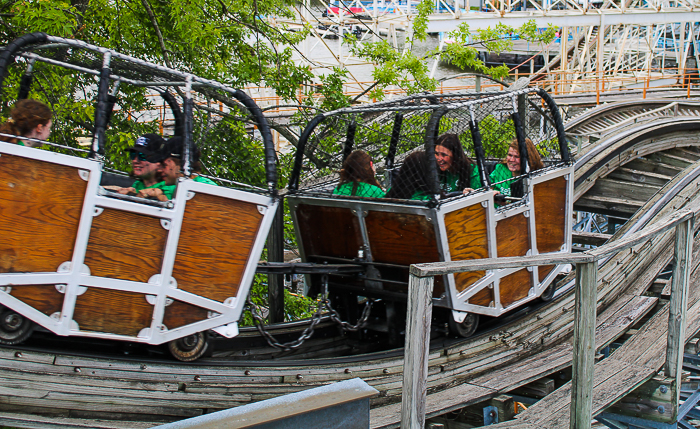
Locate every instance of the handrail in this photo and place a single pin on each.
(420, 301)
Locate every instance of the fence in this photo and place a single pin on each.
(420, 291)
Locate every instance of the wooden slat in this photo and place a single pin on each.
(593, 238)
(181, 313)
(40, 206)
(112, 311)
(613, 206)
(639, 176)
(513, 236)
(467, 237)
(125, 246)
(44, 298)
(610, 188)
(642, 164)
(515, 287)
(315, 221)
(215, 245)
(550, 214)
(51, 422)
(393, 238)
(669, 159)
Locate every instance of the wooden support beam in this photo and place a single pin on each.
(584, 345)
(415, 367)
(642, 164)
(625, 190)
(592, 238)
(538, 389)
(639, 176)
(668, 159)
(679, 303)
(609, 206)
(646, 401)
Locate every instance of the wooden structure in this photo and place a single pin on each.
(383, 234)
(83, 261)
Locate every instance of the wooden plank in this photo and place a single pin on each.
(52, 422)
(515, 287)
(215, 244)
(467, 237)
(314, 222)
(669, 159)
(550, 214)
(112, 311)
(125, 245)
(393, 238)
(415, 371)
(537, 389)
(181, 313)
(612, 206)
(592, 238)
(642, 164)
(610, 188)
(611, 326)
(44, 298)
(512, 236)
(39, 222)
(584, 344)
(639, 176)
(645, 401)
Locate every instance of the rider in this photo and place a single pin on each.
(31, 119)
(357, 177)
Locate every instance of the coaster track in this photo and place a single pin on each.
(50, 389)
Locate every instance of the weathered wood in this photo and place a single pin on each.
(467, 235)
(112, 311)
(415, 372)
(215, 244)
(39, 221)
(550, 214)
(644, 401)
(669, 159)
(679, 304)
(584, 345)
(125, 245)
(693, 346)
(641, 164)
(617, 189)
(639, 176)
(51, 422)
(612, 206)
(537, 389)
(592, 238)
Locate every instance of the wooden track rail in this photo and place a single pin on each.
(54, 390)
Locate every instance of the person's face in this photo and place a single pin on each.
(44, 131)
(170, 171)
(443, 156)
(513, 160)
(143, 169)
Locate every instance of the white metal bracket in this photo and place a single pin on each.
(84, 174)
(165, 223)
(228, 331)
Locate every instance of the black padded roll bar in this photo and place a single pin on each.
(98, 147)
(393, 146)
(301, 148)
(269, 147)
(177, 113)
(349, 140)
(558, 124)
(7, 56)
(430, 137)
(479, 151)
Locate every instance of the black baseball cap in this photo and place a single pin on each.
(174, 148)
(151, 145)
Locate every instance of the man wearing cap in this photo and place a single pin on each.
(146, 156)
(171, 165)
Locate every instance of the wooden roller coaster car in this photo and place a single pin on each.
(81, 261)
(389, 235)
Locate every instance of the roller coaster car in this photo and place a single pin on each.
(81, 261)
(388, 235)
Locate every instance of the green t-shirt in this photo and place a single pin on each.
(168, 190)
(449, 182)
(500, 173)
(364, 190)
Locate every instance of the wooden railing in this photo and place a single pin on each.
(420, 292)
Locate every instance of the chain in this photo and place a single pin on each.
(323, 304)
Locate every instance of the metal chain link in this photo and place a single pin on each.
(323, 304)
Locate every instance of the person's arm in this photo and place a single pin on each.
(153, 193)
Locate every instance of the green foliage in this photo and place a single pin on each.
(495, 137)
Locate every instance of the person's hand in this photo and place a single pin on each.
(153, 193)
(124, 191)
(467, 190)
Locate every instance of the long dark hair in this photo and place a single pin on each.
(462, 165)
(358, 168)
(412, 177)
(25, 116)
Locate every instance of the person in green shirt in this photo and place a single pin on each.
(170, 169)
(456, 172)
(503, 175)
(357, 177)
(411, 182)
(31, 119)
(145, 157)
